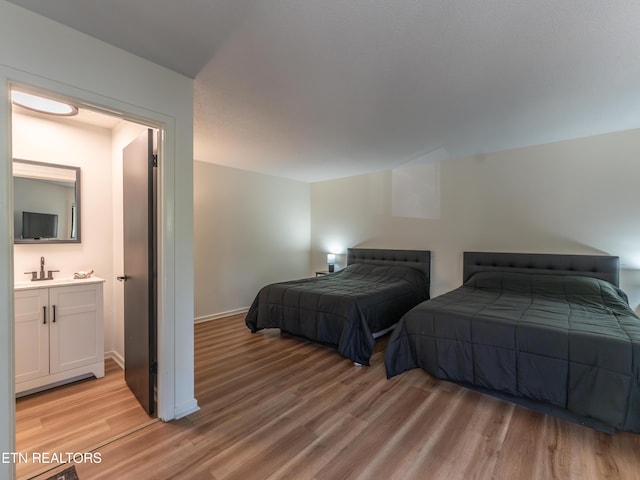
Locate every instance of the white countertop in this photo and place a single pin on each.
(56, 282)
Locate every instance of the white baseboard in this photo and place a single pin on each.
(186, 408)
(216, 316)
(116, 357)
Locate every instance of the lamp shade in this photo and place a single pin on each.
(331, 258)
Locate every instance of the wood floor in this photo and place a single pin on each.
(75, 418)
(275, 407)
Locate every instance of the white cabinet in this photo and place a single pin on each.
(31, 335)
(58, 333)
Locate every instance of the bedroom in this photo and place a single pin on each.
(517, 215)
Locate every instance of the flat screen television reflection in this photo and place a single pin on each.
(39, 225)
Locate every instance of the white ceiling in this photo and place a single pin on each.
(320, 89)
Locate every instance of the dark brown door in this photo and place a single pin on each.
(140, 269)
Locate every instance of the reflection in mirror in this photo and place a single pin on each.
(46, 202)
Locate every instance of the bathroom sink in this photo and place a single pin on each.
(54, 282)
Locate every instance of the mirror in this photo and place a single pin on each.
(46, 202)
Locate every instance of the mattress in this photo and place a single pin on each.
(343, 309)
(567, 341)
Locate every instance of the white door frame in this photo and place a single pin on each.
(166, 237)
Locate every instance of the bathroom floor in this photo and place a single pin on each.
(77, 418)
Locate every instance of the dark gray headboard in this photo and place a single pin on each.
(598, 266)
(418, 259)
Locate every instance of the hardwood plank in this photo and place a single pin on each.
(343, 431)
(77, 417)
(278, 407)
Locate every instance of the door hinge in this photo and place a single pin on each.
(155, 160)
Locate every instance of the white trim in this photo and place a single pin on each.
(166, 236)
(165, 383)
(116, 357)
(186, 409)
(7, 368)
(216, 316)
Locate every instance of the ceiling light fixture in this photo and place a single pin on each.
(41, 104)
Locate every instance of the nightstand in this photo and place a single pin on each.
(321, 273)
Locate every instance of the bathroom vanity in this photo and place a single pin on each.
(58, 332)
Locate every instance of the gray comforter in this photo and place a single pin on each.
(566, 341)
(343, 309)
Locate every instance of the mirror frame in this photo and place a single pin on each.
(78, 210)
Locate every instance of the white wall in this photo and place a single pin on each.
(87, 69)
(88, 147)
(578, 196)
(250, 229)
(98, 153)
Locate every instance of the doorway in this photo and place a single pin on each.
(103, 136)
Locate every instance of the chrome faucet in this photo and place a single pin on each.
(34, 275)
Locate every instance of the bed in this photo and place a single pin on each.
(347, 309)
(551, 332)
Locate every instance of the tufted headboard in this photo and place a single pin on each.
(418, 259)
(598, 266)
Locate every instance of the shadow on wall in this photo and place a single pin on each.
(415, 191)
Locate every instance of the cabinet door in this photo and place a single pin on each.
(75, 329)
(31, 334)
